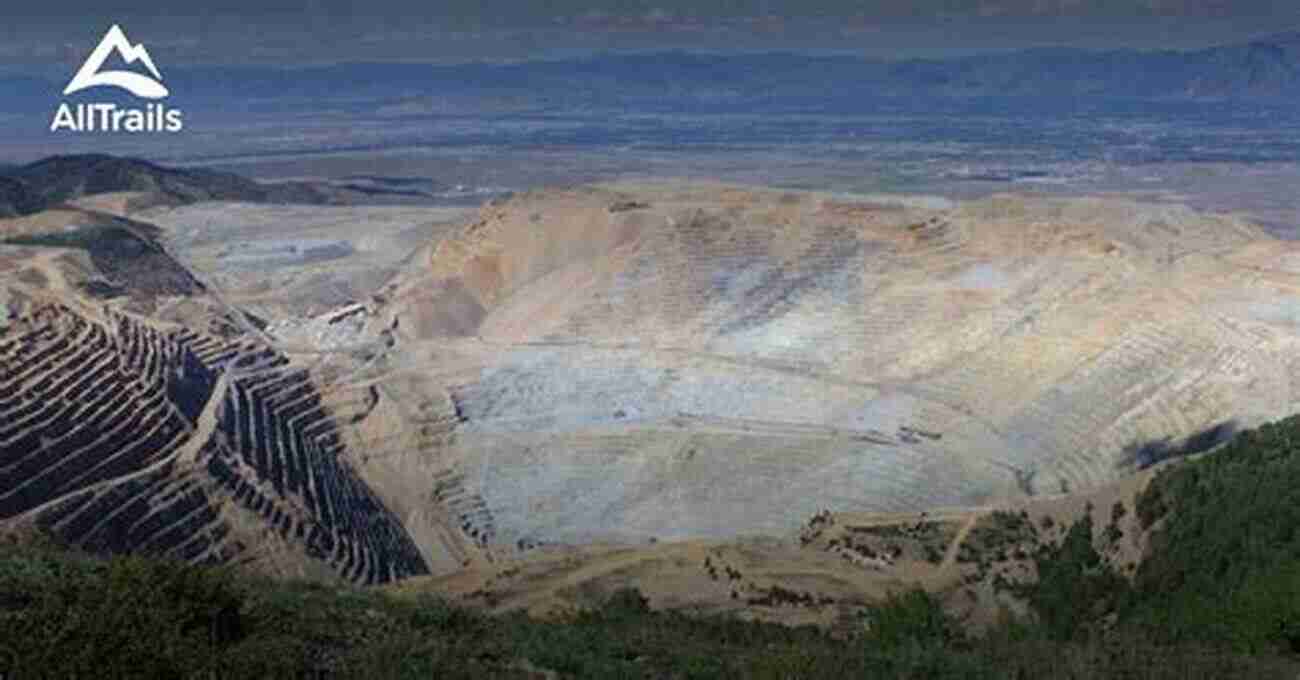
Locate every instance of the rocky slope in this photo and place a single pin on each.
(140, 414)
(624, 363)
(679, 361)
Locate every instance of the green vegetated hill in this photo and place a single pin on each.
(1225, 555)
(1218, 596)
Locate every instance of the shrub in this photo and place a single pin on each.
(913, 618)
(73, 619)
(1075, 585)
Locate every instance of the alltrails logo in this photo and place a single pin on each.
(111, 117)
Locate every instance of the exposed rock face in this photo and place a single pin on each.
(120, 432)
(628, 362)
(715, 360)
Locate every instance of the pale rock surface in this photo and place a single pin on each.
(690, 360)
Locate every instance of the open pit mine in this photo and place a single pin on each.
(615, 363)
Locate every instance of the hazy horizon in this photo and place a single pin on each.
(294, 32)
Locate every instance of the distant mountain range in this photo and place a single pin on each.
(58, 179)
(1262, 69)
(1266, 69)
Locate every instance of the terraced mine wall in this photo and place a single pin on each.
(120, 437)
(278, 453)
(83, 406)
(670, 362)
(681, 360)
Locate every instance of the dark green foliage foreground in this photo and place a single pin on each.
(1220, 598)
(1225, 565)
(64, 615)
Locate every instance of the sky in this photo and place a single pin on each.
(311, 31)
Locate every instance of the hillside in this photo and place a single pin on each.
(1178, 617)
(59, 179)
(141, 413)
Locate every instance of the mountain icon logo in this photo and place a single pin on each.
(137, 84)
